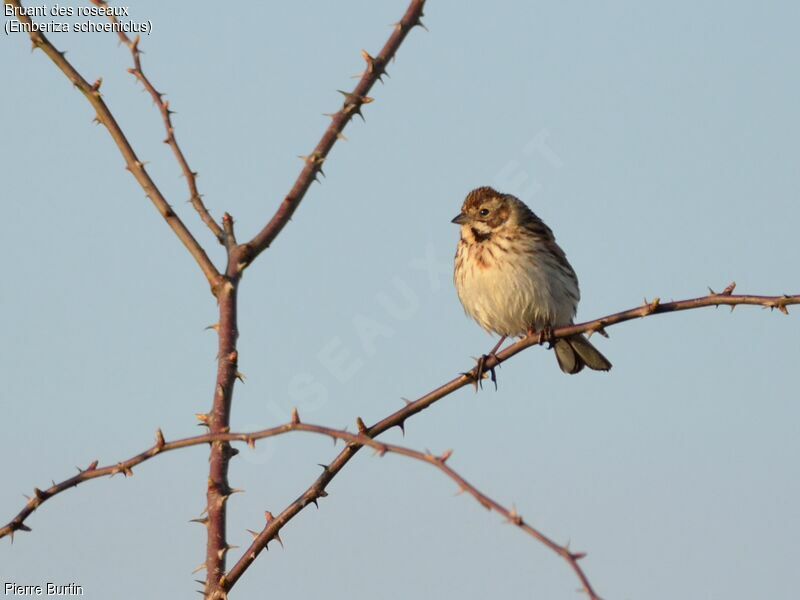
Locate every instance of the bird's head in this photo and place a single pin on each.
(484, 212)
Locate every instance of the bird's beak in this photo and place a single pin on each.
(460, 219)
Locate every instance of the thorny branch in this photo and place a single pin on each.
(361, 439)
(397, 419)
(133, 164)
(353, 101)
(218, 421)
(166, 114)
(224, 286)
(239, 257)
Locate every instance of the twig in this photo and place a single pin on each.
(353, 101)
(397, 419)
(133, 164)
(166, 114)
(360, 439)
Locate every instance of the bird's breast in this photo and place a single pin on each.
(508, 291)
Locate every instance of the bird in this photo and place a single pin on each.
(513, 279)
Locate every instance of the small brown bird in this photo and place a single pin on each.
(513, 278)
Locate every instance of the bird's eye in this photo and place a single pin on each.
(484, 212)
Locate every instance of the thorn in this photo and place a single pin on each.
(374, 65)
(295, 417)
(402, 426)
(203, 418)
(240, 376)
(729, 290)
(577, 556)
(215, 327)
(268, 516)
(199, 568)
(407, 401)
(92, 465)
(251, 442)
(598, 329)
(255, 534)
(353, 103)
(223, 551)
(96, 85)
(341, 136)
(514, 517)
(472, 379)
(445, 455)
(200, 520)
(278, 537)
(324, 467)
(362, 428)
(650, 307)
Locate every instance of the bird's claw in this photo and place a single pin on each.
(543, 335)
(479, 373)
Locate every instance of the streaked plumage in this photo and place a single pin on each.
(512, 277)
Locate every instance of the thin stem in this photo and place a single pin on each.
(166, 115)
(133, 164)
(376, 68)
(360, 439)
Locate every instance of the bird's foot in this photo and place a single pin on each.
(543, 335)
(480, 372)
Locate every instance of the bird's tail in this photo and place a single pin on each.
(575, 351)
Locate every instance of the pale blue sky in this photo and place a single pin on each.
(658, 141)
